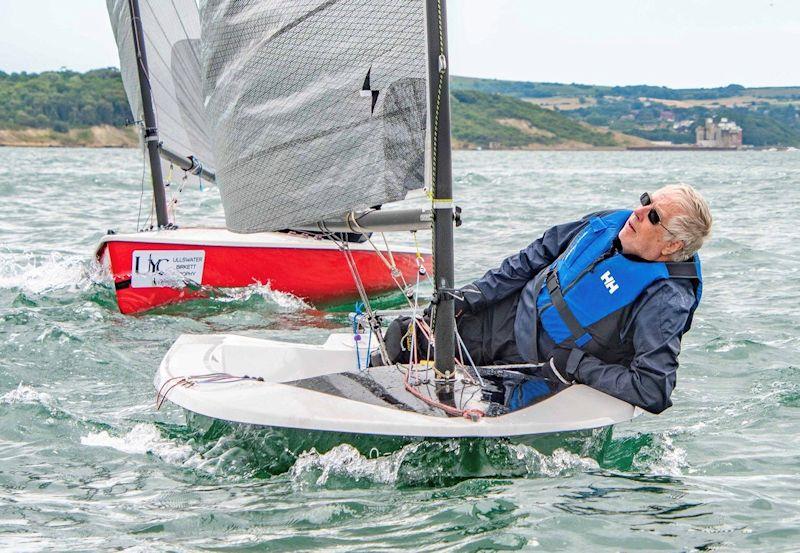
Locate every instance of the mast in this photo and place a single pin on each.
(442, 183)
(150, 129)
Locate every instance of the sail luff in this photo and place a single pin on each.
(171, 37)
(150, 128)
(442, 186)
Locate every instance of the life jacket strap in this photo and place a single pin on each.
(579, 334)
(682, 269)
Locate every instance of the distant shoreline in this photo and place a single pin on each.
(101, 136)
(107, 136)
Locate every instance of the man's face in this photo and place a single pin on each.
(649, 241)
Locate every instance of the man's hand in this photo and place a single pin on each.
(556, 367)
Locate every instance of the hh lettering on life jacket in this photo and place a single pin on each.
(609, 282)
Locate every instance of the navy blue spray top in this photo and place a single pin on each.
(635, 358)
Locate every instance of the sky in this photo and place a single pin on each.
(675, 43)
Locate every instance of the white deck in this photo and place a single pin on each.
(226, 238)
(271, 403)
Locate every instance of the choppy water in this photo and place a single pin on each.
(86, 463)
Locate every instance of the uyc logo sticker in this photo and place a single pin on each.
(172, 268)
(153, 265)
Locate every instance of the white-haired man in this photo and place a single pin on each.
(603, 301)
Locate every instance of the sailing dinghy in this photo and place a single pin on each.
(159, 47)
(309, 63)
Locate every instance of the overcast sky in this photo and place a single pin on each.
(676, 43)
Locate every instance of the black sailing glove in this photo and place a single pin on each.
(556, 367)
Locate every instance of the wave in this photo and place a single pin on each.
(28, 395)
(142, 439)
(284, 301)
(41, 403)
(257, 297)
(434, 463)
(244, 452)
(37, 274)
(346, 461)
(661, 458)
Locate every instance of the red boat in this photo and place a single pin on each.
(169, 266)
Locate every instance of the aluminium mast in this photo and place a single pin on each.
(442, 185)
(150, 128)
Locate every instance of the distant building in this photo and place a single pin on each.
(725, 134)
(667, 115)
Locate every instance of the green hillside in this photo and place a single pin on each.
(767, 116)
(763, 123)
(67, 100)
(486, 113)
(62, 100)
(492, 119)
(524, 89)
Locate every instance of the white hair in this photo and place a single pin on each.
(692, 225)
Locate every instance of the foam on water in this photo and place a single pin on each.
(661, 458)
(345, 460)
(142, 439)
(560, 463)
(37, 274)
(27, 395)
(285, 301)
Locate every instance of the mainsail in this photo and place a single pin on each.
(319, 106)
(171, 35)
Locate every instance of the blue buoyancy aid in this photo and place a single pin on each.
(584, 292)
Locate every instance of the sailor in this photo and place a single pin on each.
(603, 301)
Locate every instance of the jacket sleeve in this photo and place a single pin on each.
(658, 322)
(517, 270)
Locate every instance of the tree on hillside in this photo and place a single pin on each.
(62, 99)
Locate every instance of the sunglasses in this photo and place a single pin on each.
(652, 215)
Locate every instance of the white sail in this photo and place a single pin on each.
(319, 106)
(171, 32)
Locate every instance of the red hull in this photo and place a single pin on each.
(320, 276)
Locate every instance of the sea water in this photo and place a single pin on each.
(87, 463)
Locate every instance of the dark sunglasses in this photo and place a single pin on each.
(652, 215)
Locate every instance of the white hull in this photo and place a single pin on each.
(274, 402)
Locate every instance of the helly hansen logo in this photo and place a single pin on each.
(609, 282)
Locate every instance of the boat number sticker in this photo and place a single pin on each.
(172, 268)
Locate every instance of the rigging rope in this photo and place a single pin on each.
(174, 196)
(141, 195)
(372, 319)
(473, 414)
(188, 381)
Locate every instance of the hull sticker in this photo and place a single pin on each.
(167, 268)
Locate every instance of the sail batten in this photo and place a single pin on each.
(319, 106)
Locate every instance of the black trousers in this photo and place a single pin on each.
(488, 336)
